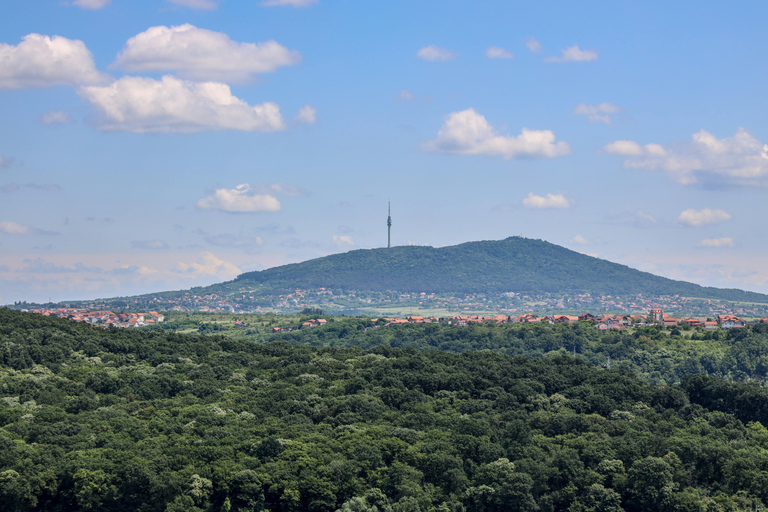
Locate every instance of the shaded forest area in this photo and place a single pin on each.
(129, 420)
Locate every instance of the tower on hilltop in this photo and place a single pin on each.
(389, 225)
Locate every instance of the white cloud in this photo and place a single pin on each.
(597, 113)
(496, 52)
(4, 162)
(239, 200)
(580, 240)
(12, 228)
(55, 117)
(91, 4)
(623, 147)
(550, 201)
(307, 115)
(574, 54)
(533, 45)
(703, 217)
(737, 160)
(343, 240)
(716, 242)
(434, 53)
(404, 95)
(43, 61)
(469, 133)
(209, 265)
(205, 5)
(138, 104)
(201, 54)
(291, 3)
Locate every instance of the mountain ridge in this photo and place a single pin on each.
(514, 264)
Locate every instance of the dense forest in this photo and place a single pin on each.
(515, 264)
(131, 420)
(656, 354)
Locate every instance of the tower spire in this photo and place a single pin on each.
(389, 224)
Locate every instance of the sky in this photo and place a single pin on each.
(150, 145)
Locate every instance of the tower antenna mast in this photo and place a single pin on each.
(389, 225)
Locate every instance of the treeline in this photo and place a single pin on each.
(658, 355)
(124, 420)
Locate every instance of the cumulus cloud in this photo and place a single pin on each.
(12, 228)
(307, 115)
(153, 245)
(716, 242)
(201, 54)
(290, 3)
(623, 147)
(574, 54)
(43, 61)
(597, 113)
(737, 160)
(691, 217)
(138, 104)
(91, 4)
(209, 265)
(240, 199)
(434, 53)
(546, 202)
(533, 45)
(343, 240)
(469, 133)
(55, 117)
(205, 5)
(496, 52)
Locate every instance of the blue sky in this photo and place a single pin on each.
(156, 144)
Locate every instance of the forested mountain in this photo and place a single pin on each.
(130, 420)
(491, 267)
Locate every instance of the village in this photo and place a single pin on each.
(104, 318)
(400, 304)
(656, 316)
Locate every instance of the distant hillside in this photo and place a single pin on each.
(515, 264)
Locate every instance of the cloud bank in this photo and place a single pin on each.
(737, 160)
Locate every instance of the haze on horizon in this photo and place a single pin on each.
(151, 145)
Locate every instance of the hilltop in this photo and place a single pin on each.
(513, 265)
(514, 274)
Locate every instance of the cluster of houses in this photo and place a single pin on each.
(602, 322)
(104, 318)
(316, 322)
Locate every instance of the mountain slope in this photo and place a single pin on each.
(512, 265)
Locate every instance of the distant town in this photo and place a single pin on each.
(245, 300)
(656, 316)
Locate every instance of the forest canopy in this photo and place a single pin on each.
(94, 419)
